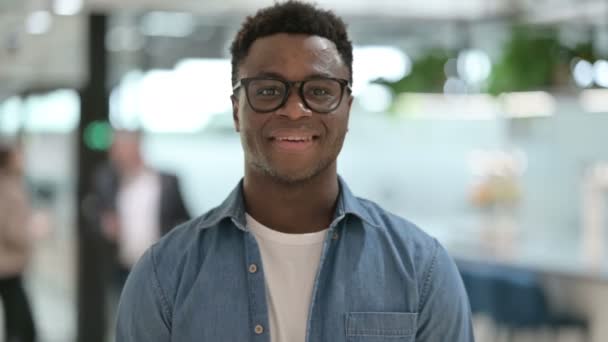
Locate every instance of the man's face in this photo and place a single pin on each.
(292, 143)
(125, 149)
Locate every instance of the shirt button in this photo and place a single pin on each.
(259, 329)
(336, 236)
(252, 269)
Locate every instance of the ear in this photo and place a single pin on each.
(349, 103)
(235, 112)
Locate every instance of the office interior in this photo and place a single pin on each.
(482, 121)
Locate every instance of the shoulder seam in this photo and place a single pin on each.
(428, 276)
(163, 299)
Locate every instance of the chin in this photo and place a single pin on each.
(291, 177)
(298, 175)
(291, 172)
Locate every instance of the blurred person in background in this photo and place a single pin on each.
(137, 204)
(15, 246)
(292, 255)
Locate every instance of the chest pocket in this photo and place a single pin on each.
(381, 326)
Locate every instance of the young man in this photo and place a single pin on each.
(291, 255)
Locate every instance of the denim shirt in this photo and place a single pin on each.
(380, 278)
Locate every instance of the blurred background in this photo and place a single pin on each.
(482, 121)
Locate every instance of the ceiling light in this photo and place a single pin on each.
(67, 7)
(474, 66)
(38, 22)
(600, 73)
(378, 62)
(583, 73)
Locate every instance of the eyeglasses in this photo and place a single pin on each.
(321, 94)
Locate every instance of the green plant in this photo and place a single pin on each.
(427, 74)
(529, 61)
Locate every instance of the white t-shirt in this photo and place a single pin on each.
(290, 263)
(138, 205)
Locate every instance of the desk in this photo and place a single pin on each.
(574, 283)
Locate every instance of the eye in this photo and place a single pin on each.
(268, 91)
(320, 92)
(321, 89)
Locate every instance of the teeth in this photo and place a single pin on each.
(294, 138)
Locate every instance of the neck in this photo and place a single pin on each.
(294, 208)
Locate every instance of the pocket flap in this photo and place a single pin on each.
(381, 323)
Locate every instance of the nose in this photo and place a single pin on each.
(294, 108)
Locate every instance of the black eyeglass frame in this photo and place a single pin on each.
(244, 83)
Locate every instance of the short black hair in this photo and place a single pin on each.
(291, 17)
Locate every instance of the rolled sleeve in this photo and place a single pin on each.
(143, 311)
(444, 312)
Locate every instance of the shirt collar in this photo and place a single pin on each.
(233, 208)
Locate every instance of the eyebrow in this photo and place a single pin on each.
(279, 76)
